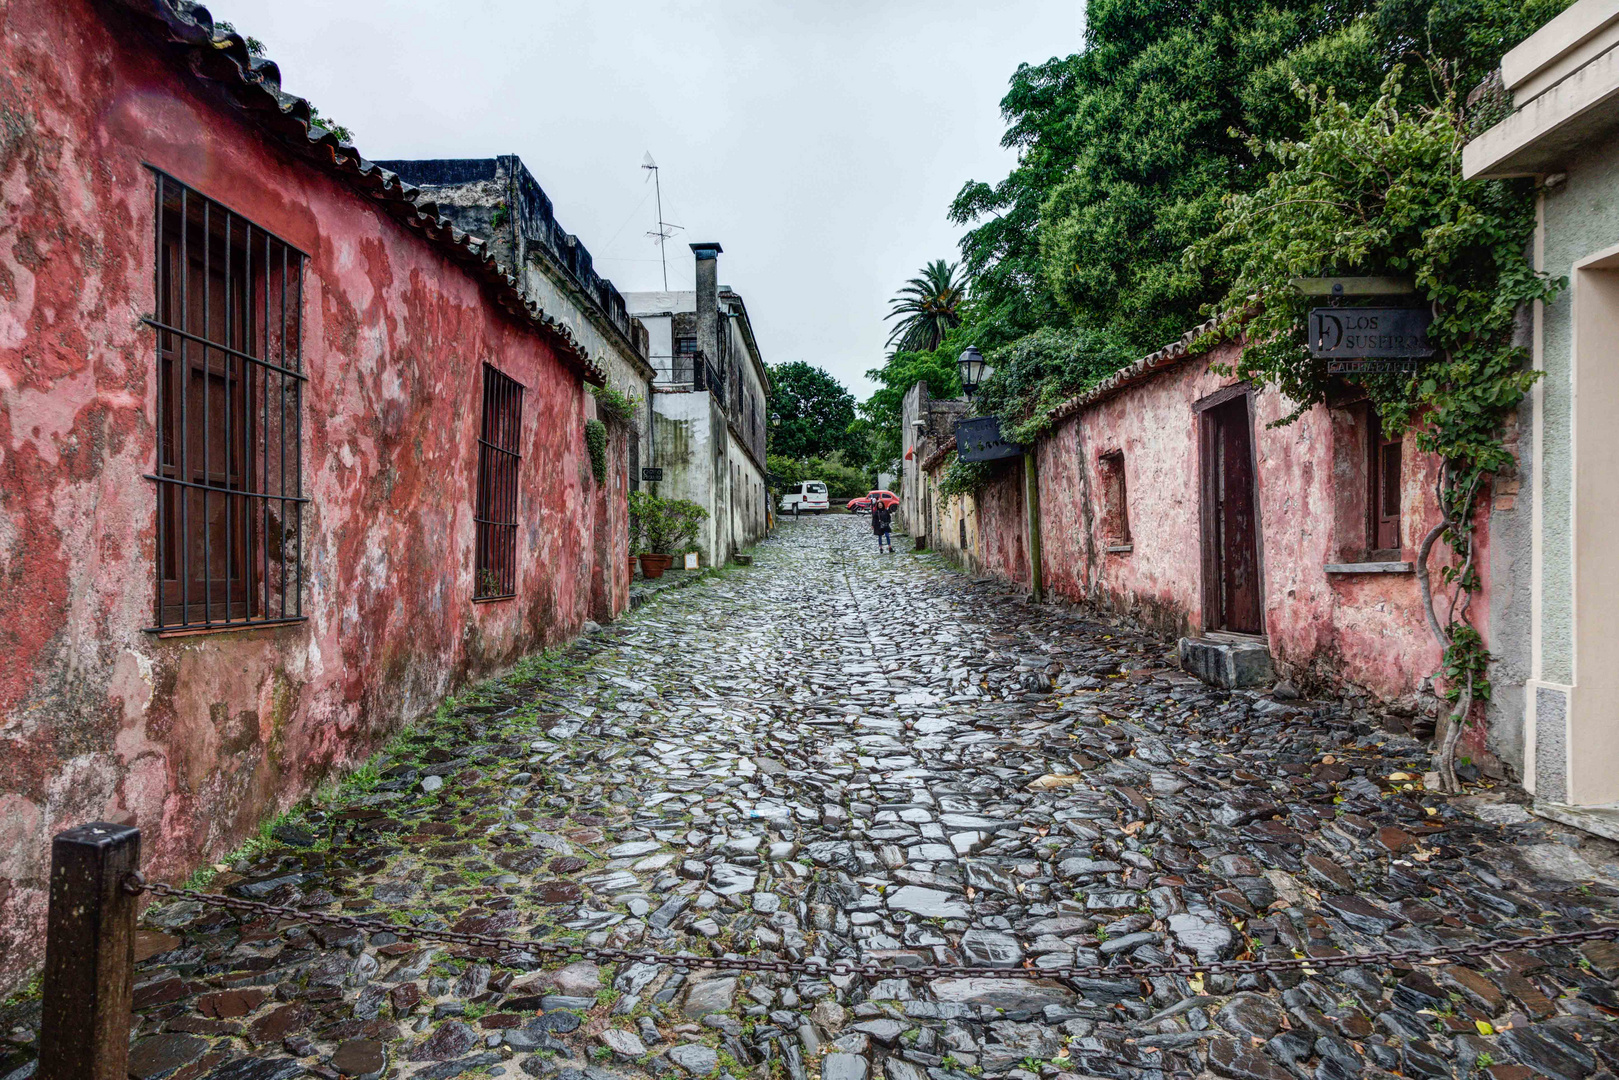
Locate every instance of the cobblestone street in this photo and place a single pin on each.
(838, 754)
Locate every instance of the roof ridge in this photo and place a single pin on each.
(253, 84)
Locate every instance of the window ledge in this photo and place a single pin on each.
(1370, 568)
(493, 599)
(1120, 549)
(223, 628)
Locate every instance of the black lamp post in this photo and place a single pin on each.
(972, 370)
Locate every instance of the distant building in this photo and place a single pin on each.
(499, 200)
(709, 403)
(1559, 91)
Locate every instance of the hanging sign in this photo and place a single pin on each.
(980, 439)
(1370, 340)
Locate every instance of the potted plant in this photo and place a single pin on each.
(661, 527)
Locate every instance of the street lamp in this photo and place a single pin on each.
(972, 369)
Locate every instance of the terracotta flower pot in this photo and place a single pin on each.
(653, 566)
(632, 567)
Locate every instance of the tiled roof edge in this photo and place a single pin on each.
(1149, 366)
(935, 459)
(253, 84)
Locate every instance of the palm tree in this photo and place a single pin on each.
(927, 308)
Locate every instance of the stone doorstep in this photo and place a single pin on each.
(1233, 664)
(1600, 821)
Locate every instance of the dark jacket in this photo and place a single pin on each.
(881, 519)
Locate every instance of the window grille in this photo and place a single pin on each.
(496, 508)
(229, 473)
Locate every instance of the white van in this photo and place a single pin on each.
(808, 497)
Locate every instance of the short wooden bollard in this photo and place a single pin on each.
(89, 983)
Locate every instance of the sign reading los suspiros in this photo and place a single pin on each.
(1365, 333)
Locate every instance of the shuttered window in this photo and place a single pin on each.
(229, 472)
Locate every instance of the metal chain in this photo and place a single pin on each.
(135, 884)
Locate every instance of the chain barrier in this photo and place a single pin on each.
(135, 884)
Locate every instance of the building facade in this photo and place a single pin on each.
(284, 457)
(1167, 498)
(498, 200)
(1561, 128)
(709, 406)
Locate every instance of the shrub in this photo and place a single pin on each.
(615, 405)
(661, 526)
(1040, 371)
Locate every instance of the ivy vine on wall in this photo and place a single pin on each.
(1381, 193)
(596, 443)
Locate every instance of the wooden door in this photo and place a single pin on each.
(1231, 597)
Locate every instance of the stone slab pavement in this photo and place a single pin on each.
(846, 755)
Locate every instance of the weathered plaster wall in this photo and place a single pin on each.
(748, 496)
(688, 428)
(196, 739)
(1364, 629)
(912, 409)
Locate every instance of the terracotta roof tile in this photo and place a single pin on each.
(253, 85)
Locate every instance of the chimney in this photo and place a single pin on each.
(708, 302)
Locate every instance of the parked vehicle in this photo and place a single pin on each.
(808, 497)
(860, 504)
(880, 496)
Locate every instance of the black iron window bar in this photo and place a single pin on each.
(496, 509)
(229, 473)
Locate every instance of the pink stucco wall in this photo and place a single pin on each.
(196, 739)
(1364, 629)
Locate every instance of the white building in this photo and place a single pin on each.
(709, 406)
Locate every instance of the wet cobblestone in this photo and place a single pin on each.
(840, 754)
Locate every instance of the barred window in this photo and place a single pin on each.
(229, 473)
(496, 508)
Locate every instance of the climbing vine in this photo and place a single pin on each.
(962, 478)
(1381, 193)
(596, 443)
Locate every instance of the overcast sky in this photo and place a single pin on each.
(819, 141)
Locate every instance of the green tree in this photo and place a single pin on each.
(1040, 371)
(928, 308)
(1381, 192)
(882, 411)
(1127, 150)
(810, 411)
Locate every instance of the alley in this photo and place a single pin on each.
(836, 754)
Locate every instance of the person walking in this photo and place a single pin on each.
(881, 524)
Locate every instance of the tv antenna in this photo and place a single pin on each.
(665, 229)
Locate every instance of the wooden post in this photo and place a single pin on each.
(1031, 507)
(89, 955)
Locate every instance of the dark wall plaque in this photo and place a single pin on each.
(651, 475)
(1370, 333)
(980, 439)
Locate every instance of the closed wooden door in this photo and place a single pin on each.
(1232, 600)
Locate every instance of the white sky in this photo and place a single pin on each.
(819, 141)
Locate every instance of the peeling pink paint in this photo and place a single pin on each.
(197, 739)
(1367, 630)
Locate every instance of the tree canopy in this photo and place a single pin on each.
(928, 308)
(1128, 149)
(810, 412)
